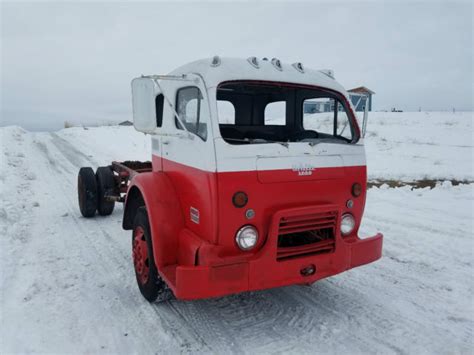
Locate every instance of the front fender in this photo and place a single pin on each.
(164, 213)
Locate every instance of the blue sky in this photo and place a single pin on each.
(73, 61)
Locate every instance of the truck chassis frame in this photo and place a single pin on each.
(123, 174)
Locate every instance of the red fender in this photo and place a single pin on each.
(164, 214)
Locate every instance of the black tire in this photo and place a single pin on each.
(154, 289)
(105, 186)
(87, 192)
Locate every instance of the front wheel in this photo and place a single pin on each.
(151, 285)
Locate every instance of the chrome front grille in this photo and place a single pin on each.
(306, 234)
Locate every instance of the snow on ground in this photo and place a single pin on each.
(68, 284)
(420, 145)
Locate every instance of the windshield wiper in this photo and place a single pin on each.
(333, 139)
(252, 141)
(285, 144)
(245, 140)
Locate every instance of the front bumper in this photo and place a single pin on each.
(225, 275)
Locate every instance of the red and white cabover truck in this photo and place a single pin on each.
(257, 180)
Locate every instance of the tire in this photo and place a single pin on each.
(105, 186)
(151, 285)
(87, 192)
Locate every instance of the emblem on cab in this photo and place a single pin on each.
(303, 169)
(194, 212)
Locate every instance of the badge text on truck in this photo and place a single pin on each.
(303, 169)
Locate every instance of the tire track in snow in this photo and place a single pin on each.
(14, 216)
(71, 153)
(267, 320)
(45, 151)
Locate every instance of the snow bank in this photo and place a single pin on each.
(106, 144)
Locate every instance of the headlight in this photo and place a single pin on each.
(347, 224)
(246, 237)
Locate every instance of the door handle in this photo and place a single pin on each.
(166, 142)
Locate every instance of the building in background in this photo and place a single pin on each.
(359, 97)
(318, 105)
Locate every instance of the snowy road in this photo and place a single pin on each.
(68, 283)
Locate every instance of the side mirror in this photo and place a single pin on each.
(144, 92)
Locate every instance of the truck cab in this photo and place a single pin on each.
(257, 179)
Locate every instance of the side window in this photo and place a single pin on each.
(275, 113)
(192, 110)
(226, 112)
(326, 116)
(159, 110)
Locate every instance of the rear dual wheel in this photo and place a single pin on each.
(105, 187)
(93, 190)
(87, 192)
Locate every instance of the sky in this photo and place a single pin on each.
(73, 61)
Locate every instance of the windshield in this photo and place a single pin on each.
(255, 113)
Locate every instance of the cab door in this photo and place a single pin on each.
(189, 156)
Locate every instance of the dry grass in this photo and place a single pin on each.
(418, 184)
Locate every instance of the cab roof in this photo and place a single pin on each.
(217, 70)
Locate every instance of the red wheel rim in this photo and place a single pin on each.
(140, 255)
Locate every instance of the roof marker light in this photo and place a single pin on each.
(277, 64)
(253, 61)
(216, 61)
(328, 72)
(298, 66)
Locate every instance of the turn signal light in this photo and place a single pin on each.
(240, 199)
(356, 189)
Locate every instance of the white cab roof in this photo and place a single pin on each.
(242, 69)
